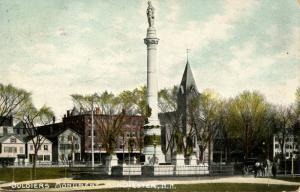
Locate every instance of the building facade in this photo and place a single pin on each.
(69, 143)
(44, 154)
(13, 147)
(290, 147)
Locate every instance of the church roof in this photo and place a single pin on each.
(188, 83)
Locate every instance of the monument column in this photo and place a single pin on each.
(152, 147)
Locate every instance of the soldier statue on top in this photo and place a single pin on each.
(150, 14)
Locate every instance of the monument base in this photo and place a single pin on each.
(153, 155)
(193, 160)
(179, 160)
(110, 161)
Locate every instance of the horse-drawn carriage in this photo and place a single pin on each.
(255, 166)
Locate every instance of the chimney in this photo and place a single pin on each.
(68, 113)
(53, 119)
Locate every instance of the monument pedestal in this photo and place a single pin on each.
(110, 161)
(179, 160)
(193, 160)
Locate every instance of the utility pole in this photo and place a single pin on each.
(92, 135)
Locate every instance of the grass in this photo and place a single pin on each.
(24, 174)
(213, 187)
(292, 179)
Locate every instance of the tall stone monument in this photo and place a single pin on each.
(152, 146)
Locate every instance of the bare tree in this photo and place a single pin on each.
(12, 100)
(204, 112)
(32, 118)
(283, 120)
(115, 112)
(171, 117)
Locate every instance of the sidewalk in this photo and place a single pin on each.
(111, 183)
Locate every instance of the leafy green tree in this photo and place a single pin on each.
(248, 117)
(12, 100)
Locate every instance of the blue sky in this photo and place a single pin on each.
(56, 48)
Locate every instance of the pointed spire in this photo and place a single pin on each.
(188, 82)
(187, 55)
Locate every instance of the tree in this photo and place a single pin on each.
(32, 118)
(116, 111)
(283, 120)
(298, 102)
(171, 117)
(247, 116)
(296, 128)
(204, 113)
(12, 100)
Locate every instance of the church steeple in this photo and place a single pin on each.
(188, 83)
(187, 90)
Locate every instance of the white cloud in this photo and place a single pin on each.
(69, 63)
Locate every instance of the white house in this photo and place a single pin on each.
(44, 154)
(290, 146)
(12, 146)
(69, 143)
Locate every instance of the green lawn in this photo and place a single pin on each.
(213, 187)
(292, 179)
(23, 174)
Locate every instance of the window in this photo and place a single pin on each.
(4, 130)
(76, 146)
(70, 138)
(14, 149)
(276, 146)
(31, 147)
(89, 133)
(12, 140)
(6, 149)
(45, 147)
(46, 157)
(62, 138)
(40, 157)
(21, 150)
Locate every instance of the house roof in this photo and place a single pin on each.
(29, 138)
(4, 138)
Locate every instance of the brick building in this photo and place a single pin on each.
(81, 123)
